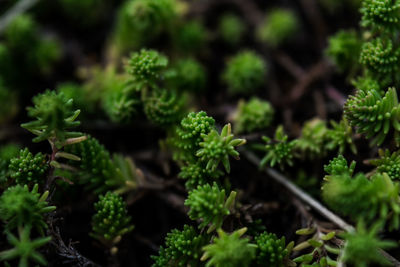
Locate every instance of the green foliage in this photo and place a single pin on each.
(271, 250)
(366, 83)
(313, 139)
(145, 67)
(98, 171)
(23, 38)
(27, 168)
(343, 49)
(7, 152)
(381, 14)
(256, 114)
(339, 166)
(340, 137)
(360, 197)
(362, 247)
(21, 207)
(195, 174)
(278, 27)
(54, 115)
(380, 57)
(210, 205)
(231, 28)
(216, 148)
(164, 107)
(24, 248)
(244, 72)
(111, 220)
(229, 250)
(388, 163)
(191, 36)
(140, 21)
(191, 131)
(182, 248)
(278, 151)
(373, 114)
(190, 75)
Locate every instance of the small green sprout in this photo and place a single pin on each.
(195, 174)
(190, 76)
(362, 246)
(271, 250)
(381, 14)
(278, 151)
(24, 248)
(278, 27)
(231, 28)
(388, 163)
(313, 139)
(111, 220)
(244, 73)
(182, 248)
(191, 36)
(229, 250)
(216, 148)
(210, 205)
(27, 168)
(340, 137)
(256, 114)
(21, 207)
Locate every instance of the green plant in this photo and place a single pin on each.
(244, 73)
(195, 174)
(229, 250)
(210, 205)
(111, 220)
(360, 197)
(380, 14)
(344, 49)
(231, 28)
(164, 107)
(271, 250)
(362, 246)
(54, 115)
(27, 168)
(279, 150)
(146, 67)
(20, 207)
(256, 114)
(190, 76)
(182, 248)
(388, 163)
(24, 248)
(7, 152)
(278, 27)
(191, 36)
(373, 114)
(340, 137)
(312, 142)
(216, 148)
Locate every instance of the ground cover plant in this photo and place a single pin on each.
(199, 133)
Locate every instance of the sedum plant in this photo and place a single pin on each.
(20, 207)
(189, 75)
(380, 14)
(340, 137)
(195, 174)
(191, 37)
(279, 150)
(278, 27)
(216, 148)
(256, 114)
(27, 168)
(210, 204)
(362, 246)
(182, 248)
(24, 248)
(244, 73)
(231, 29)
(111, 220)
(229, 250)
(53, 116)
(344, 49)
(313, 138)
(271, 250)
(373, 114)
(388, 163)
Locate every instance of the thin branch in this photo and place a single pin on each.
(19, 8)
(300, 194)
